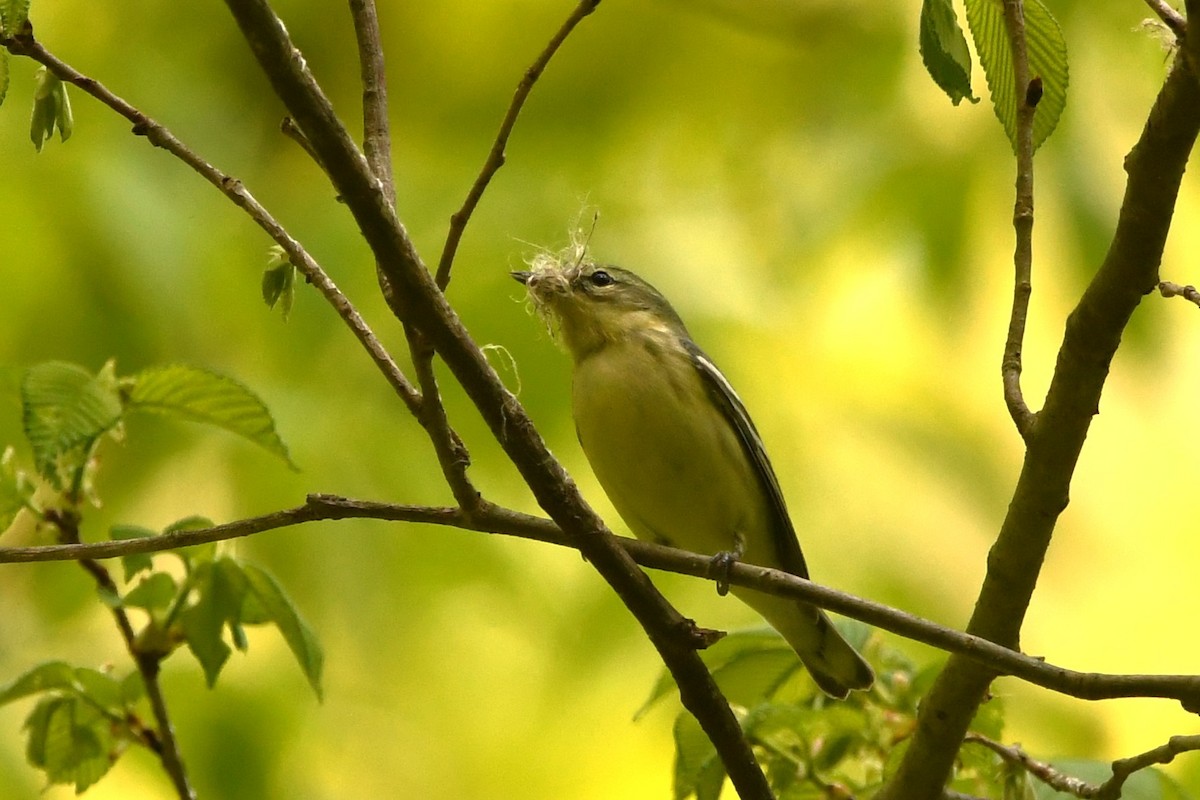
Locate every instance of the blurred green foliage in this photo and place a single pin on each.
(837, 236)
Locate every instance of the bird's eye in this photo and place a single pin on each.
(601, 278)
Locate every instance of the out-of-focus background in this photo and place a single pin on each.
(836, 234)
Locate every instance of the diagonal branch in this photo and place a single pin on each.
(422, 305)
(1170, 17)
(377, 135)
(496, 156)
(1027, 95)
(158, 135)
(495, 519)
(1189, 292)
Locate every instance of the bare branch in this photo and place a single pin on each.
(495, 158)
(490, 518)
(1027, 95)
(377, 136)
(1111, 788)
(1170, 17)
(1189, 292)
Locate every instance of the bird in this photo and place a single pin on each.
(674, 448)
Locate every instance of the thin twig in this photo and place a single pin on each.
(451, 453)
(1189, 292)
(495, 519)
(496, 157)
(162, 741)
(1110, 789)
(1026, 98)
(377, 136)
(25, 45)
(1170, 17)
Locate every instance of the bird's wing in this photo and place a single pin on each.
(787, 546)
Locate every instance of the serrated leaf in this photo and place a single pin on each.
(197, 395)
(944, 50)
(16, 490)
(69, 740)
(153, 592)
(66, 408)
(1047, 50)
(299, 637)
(14, 14)
(44, 677)
(137, 562)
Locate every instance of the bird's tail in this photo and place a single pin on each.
(835, 666)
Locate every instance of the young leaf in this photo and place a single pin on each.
(1047, 51)
(42, 678)
(299, 637)
(70, 741)
(51, 109)
(66, 408)
(220, 587)
(153, 592)
(279, 281)
(944, 50)
(14, 13)
(100, 689)
(200, 396)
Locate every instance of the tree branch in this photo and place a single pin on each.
(158, 135)
(1130, 270)
(495, 519)
(1189, 292)
(422, 304)
(162, 741)
(1170, 17)
(377, 136)
(1027, 96)
(1111, 788)
(496, 156)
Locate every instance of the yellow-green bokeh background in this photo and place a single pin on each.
(836, 234)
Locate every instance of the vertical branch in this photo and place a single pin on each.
(1027, 94)
(496, 156)
(377, 136)
(163, 741)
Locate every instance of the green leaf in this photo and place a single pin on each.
(299, 637)
(279, 281)
(197, 395)
(138, 562)
(14, 13)
(51, 109)
(100, 688)
(69, 740)
(698, 768)
(944, 50)
(44, 677)
(1047, 51)
(66, 408)
(220, 587)
(153, 592)
(16, 490)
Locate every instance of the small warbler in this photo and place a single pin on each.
(674, 448)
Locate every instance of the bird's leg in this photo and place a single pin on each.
(723, 561)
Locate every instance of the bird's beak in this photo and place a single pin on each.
(521, 277)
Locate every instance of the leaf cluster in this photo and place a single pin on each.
(812, 747)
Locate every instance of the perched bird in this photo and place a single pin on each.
(674, 448)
